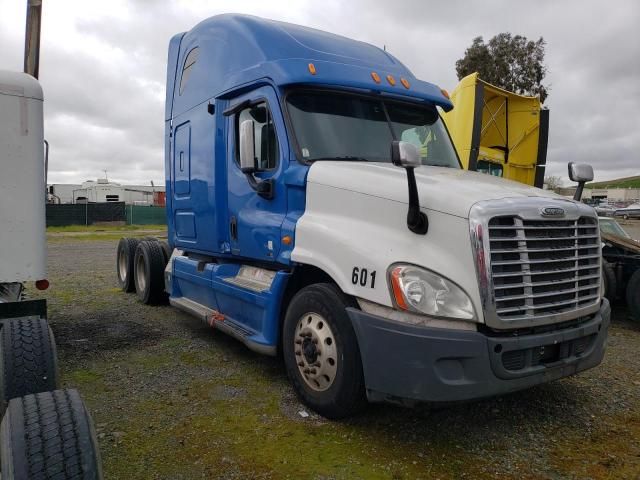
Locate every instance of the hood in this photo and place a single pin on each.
(446, 190)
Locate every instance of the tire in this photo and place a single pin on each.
(166, 250)
(124, 263)
(148, 273)
(609, 282)
(49, 435)
(28, 359)
(633, 295)
(333, 388)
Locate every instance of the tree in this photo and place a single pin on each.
(552, 182)
(510, 62)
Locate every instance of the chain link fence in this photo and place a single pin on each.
(59, 215)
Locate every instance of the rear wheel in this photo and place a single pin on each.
(124, 263)
(149, 266)
(49, 435)
(633, 295)
(321, 352)
(28, 362)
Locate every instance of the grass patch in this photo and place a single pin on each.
(627, 182)
(236, 423)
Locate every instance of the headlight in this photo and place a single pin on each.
(418, 290)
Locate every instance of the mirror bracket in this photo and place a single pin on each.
(264, 188)
(581, 173)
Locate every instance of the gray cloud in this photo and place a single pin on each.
(105, 88)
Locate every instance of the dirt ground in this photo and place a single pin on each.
(173, 399)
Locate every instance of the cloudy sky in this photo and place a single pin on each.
(103, 69)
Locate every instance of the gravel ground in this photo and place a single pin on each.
(173, 399)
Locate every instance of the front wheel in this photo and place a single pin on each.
(321, 352)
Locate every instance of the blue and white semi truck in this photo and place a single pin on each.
(316, 208)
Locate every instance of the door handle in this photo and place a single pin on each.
(233, 228)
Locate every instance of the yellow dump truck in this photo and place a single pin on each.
(499, 132)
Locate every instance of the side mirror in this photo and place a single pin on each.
(405, 154)
(247, 147)
(581, 173)
(264, 188)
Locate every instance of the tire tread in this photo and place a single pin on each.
(57, 433)
(29, 363)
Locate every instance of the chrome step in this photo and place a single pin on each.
(253, 278)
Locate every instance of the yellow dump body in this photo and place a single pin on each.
(498, 132)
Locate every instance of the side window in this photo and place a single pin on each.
(266, 141)
(189, 63)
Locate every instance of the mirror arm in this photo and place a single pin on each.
(417, 221)
(578, 195)
(264, 188)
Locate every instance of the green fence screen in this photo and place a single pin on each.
(143, 215)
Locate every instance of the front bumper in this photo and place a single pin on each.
(406, 363)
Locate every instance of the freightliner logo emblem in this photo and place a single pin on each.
(552, 212)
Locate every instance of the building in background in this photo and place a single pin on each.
(102, 190)
(613, 195)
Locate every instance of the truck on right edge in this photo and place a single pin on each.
(308, 217)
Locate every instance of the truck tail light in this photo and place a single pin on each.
(42, 284)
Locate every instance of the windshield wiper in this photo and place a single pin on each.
(346, 158)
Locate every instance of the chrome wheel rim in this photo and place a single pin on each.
(141, 274)
(122, 266)
(315, 351)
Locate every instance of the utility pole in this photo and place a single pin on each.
(32, 38)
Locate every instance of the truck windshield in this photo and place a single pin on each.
(334, 126)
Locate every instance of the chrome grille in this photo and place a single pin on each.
(543, 267)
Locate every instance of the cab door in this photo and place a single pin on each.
(255, 221)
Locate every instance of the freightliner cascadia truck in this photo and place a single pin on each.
(317, 209)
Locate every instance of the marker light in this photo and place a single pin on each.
(404, 82)
(376, 77)
(445, 93)
(312, 69)
(42, 284)
(286, 240)
(391, 80)
(396, 284)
